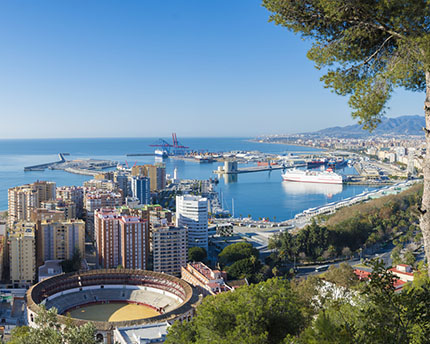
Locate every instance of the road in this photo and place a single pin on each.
(383, 253)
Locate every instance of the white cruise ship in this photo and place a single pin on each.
(304, 176)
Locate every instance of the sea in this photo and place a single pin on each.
(259, 195)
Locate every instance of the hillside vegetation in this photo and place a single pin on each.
(353, 228)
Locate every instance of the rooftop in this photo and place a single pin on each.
(151, 333)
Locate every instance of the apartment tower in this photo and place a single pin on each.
(192, 213)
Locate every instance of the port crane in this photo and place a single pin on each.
(175, 148)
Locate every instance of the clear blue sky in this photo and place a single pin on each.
(126, 68)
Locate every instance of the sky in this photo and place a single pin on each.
(140, 68)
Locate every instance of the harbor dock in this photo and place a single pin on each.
(89, 167)
(42, 167)
(230, 167)
(140, 154)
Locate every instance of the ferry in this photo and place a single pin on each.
(161, 153)
(302, 176)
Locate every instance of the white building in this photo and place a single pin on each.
(142, 334)
(192, 213)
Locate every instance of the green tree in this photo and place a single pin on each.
(74, 264)
(342, 276)
(378, 314)
(367, 48)
(244, 268)
(409, 258)
(49, 330)
(261, 313)
(197, 254)
(235, 252)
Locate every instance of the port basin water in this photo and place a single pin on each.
(261, 194)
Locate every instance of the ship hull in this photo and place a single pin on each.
(312, 177)
(320, 181)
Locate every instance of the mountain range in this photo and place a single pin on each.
(403, 125)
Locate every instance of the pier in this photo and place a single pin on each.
(140, 154)
(82, 171)
(89, 167)
(230, 167)
(42, 167)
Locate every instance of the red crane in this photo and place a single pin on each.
(167, 146)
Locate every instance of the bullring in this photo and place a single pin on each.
(168, 298)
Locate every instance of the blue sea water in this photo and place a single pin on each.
(261, 194)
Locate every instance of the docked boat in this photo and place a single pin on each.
(337, 163)
(161, 153)
(316, 163)
(304, 176)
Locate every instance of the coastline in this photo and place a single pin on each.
(287, 144)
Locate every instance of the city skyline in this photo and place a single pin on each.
(141, 69)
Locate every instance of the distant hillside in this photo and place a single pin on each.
(403, 125)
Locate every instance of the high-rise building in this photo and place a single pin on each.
(169, 246)
(133, 250)
(98, 199)
(106, 229)
(3, 252)
(23, 199)
(120, 240)
(57, 240)
(73, 194)
(139, 171)
(154, 215)
(192, 212)
(101, 184)
(40, 214)
(121, 180)
(140, 188)
(22, 253)
(66, 207)
(46, 190)
(156, 174)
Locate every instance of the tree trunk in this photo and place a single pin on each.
(425, 207)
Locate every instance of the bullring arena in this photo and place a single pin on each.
(114, 298)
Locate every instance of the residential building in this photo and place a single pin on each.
(139, 171)
(153, 214)
(208, 281)
(403, 272)
(157, 176)
(98, 199)
(122, 182)
(40, 214)
(58, 240)
(74, 194)
(169, 246)
(120, 240)
(133, 251)
(192, 212)
(23, 199)
(156, 173)
(67, 207)
(22, 253)
(3, 252)
(140, 188)
(101, 184)
(106, 229)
